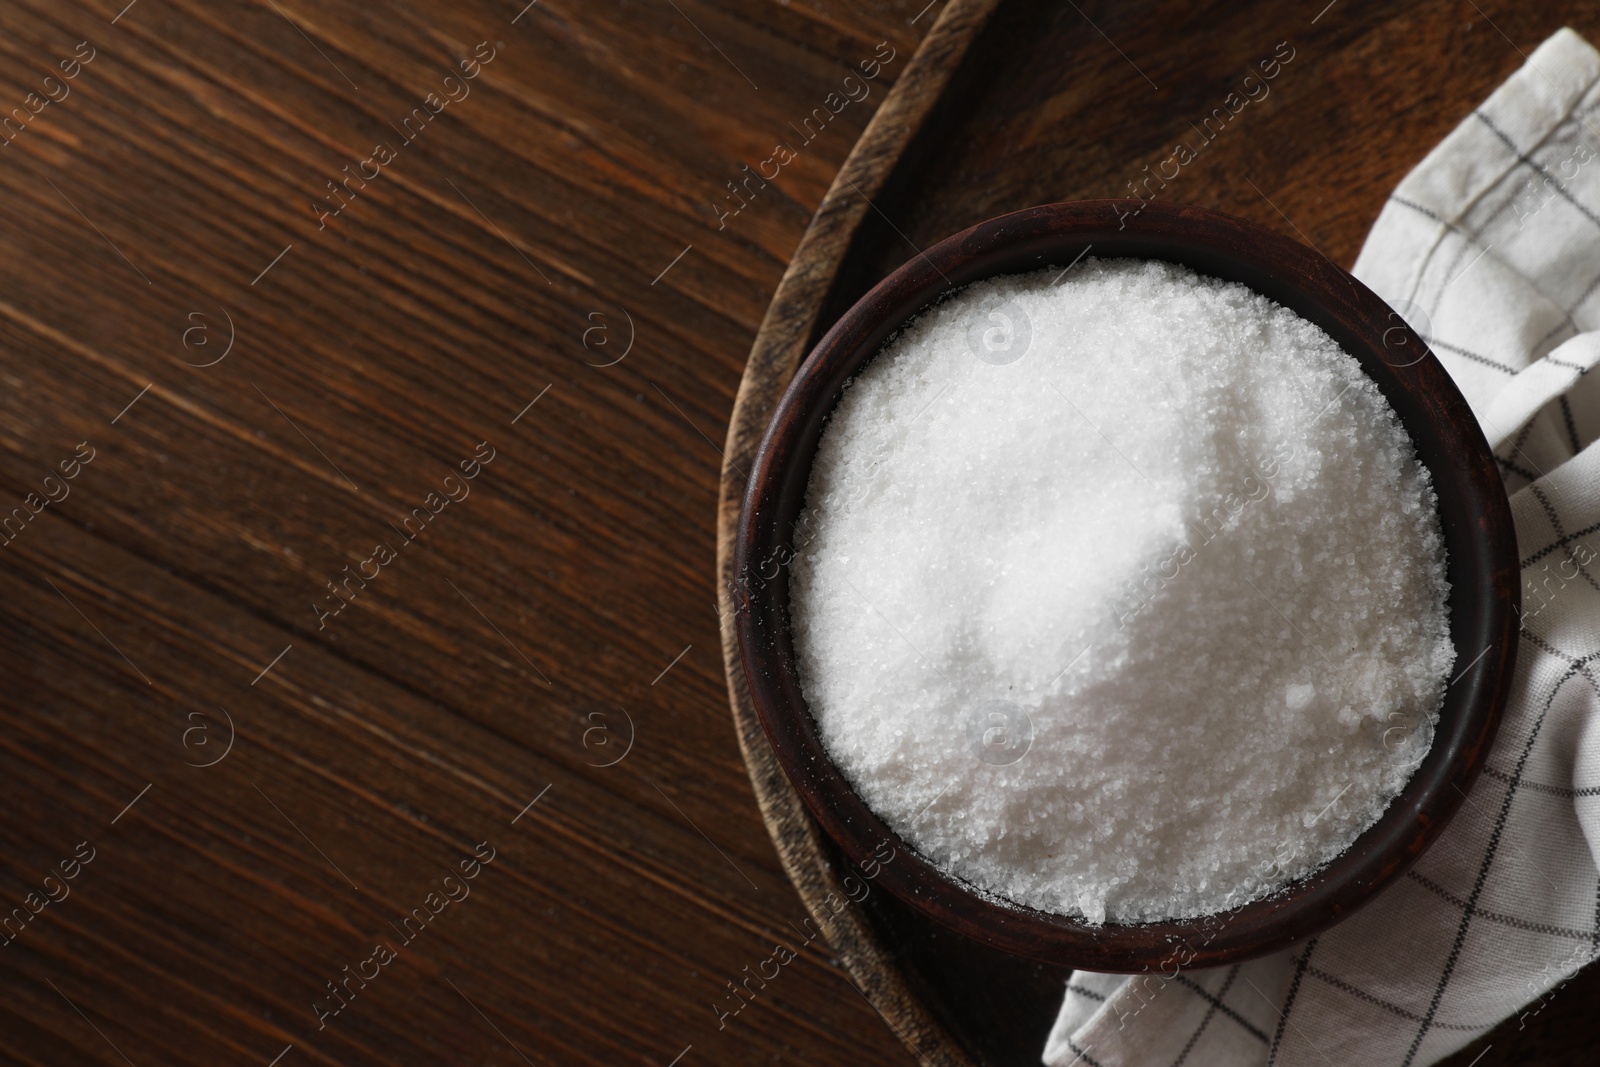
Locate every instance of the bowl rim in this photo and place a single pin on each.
(1483, 568)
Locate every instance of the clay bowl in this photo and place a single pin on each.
(1476, 518)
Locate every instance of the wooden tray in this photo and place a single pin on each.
(1009, 104)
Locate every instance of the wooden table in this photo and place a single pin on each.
(371, 657)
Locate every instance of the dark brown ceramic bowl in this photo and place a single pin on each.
(1483, 573)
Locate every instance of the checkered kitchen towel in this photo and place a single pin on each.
(1491, 250)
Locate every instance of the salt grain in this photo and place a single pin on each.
(1142, 621)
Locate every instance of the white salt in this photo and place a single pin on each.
(1124, 596)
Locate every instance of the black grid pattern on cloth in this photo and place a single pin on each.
(1496, 917)
(1216, 1004)
(1548, 790)
(1555, 524)
(1516, 446)
(1527, 160)
(1211, 1011)
(1561, 362)
(1473, 238)
(1471, 903)
(1537, 167)
(1504, 368)
(1570, 424)
(1082, 1055)
(1581, 663)
(1289, 1001)
(1562, 541)
(1594, 937)
(1514, 469)
(1540, 346)
(1378, 1002)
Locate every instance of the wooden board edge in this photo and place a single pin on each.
(780, 344)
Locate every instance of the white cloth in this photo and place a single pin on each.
(1491, 249)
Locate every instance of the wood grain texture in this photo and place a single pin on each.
(370, 358)
(1076, 102)
(500, 655)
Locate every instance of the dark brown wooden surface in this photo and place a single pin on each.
(532, 620)
(368, 361)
